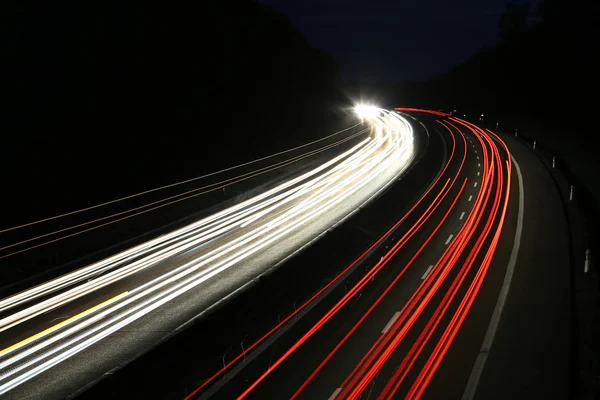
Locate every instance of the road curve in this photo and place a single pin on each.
(387, 330)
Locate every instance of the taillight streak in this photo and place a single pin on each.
(441, 349)
(436, 278)
(444, 343)
(368, 358)
(466, 234)
(417, 347)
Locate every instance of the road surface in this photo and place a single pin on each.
(432, 314)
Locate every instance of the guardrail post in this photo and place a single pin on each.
(571, 193)
(534, 144)
(553, 162)
(586, 265)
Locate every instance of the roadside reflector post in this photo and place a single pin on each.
(571, 192)
(586, 266)
(497, 125)
(553, 162)
(534, 144)
(516, 132)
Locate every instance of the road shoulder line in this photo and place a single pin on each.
(488, 340)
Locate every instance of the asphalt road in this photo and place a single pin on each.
(56, 343)
(512, 343)
(451, 283)
(386, 330)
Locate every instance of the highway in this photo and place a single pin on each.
(410, 324)
(63, 334)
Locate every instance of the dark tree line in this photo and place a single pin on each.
(154, 70)
(545, 66)
(106, 88)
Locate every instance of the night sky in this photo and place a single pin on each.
(394, 40)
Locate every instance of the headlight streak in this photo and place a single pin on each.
(111, 262)
(350, 174)
(168, 201)
(2, 365)
(152, 259)
(153, 303)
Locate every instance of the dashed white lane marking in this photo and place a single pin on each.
(479, 165)
(335, 393)
(478, 173)
(462, 215)
(449, 239)
(427, 272)
(470, 197)
(475, 184)
(488, 340)
(478, 157)
(387, 326)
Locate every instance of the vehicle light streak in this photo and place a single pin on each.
(258, 222)
(154, 205)
(444, 343)
(133, 267)
(177, 183)
(403, 369)
(369, 358)
(140, 250)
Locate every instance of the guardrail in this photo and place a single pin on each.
(583, 217)
(583, 210)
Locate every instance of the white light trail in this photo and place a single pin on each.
(239, 232)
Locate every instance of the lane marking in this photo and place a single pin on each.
(478, 172)
(394, 317)
(335, 393)
(462, 215)
(449, 239)
(479, 165)
(478, 157)
(470, 197)
(427, 272)
(476, 152)
(488, 340)
(475, 184)
(61, 324)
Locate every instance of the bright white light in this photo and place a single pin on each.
(365, 111)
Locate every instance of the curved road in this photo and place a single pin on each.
(386, 335)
